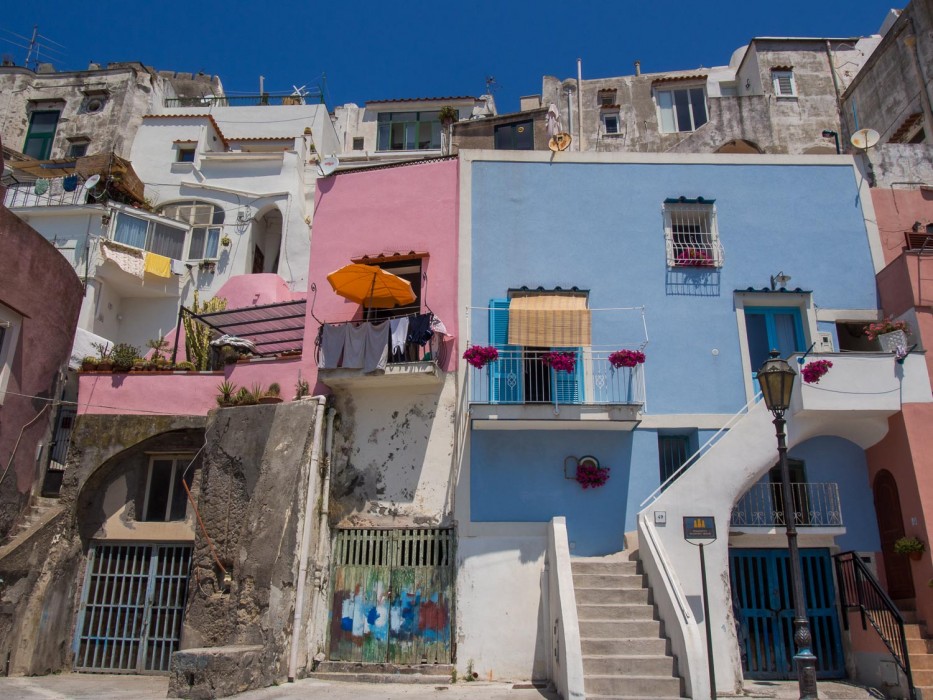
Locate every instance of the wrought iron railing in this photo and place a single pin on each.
(860, 591)
(240, 100)
(523, 377)
(814, 505)
(23, 194)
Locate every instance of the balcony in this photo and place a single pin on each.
(24, 194)
(519, 386)
(816, 505)
(418, 365)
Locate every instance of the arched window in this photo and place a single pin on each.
(206, 222)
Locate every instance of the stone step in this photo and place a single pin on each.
(910, 616)
(378, 678)
(633, 686)
(437, 670)
(578, 566)
(919, 646)
(922, 677)
(608, 646)
(641, 665)
(615, 612)
(627, 629)
(914, 631)
(613, 596)
(609, 581)
(921, 662)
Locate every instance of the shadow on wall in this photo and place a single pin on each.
(692, 282)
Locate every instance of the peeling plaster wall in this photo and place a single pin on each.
(393, 457)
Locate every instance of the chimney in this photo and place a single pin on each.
(637, 67)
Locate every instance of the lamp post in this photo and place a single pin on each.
(776, 378)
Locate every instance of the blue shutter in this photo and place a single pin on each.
(505, 374)
(568, 386)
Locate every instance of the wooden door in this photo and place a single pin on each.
(891, 528)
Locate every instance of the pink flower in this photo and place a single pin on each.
(591, 475)
(626, 358)
(560, 361)
(814, 371)
(480, 355)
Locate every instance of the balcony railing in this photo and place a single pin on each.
(241, 100)
(815, 505)
(522, 377)
(23, 194)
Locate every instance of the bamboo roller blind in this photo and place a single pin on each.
(549, 320)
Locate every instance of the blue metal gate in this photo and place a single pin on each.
(762, 599)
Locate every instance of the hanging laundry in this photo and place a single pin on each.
(158, 265)
(419, 329)
(376, 352)
(70, 183)
(398, 328)
(129, 260)
(333, 338)
(355, 347)
(437, 325)
(178, 267)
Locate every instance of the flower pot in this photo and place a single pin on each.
(915, 556)
(891, 341)
(270, 399)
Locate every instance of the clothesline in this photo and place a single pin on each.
(617, 308)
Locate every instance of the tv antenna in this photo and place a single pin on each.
(491, 84)
(863, 139)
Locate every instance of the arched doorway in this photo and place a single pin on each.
(266, 241)
(891, 528)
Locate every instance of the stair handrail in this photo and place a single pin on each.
(704, 448)
(861, 574)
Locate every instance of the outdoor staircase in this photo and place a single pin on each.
(354, 672)
(40, 513)
(920, 649)
(625, 652)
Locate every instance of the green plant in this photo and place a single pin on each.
(453, 674)
(471, 675)
(89, 362)
(158, 346)
(908, 546)
(104, 351)
(244, 397)
(302, 388)
(273, 390)
(197, 335)
(258, 392)
(124, 355)
(225, 241)
(227, 393)
(448, 115)
(185, 366)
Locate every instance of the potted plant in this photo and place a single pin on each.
(560, 361)
(139, 365)
(911, 546)
(225, 241)
(245, 397)
(447, 115)
(693, 257)
(272, 394)
(123, 356)
(891, 334)
(302, 389)
(590, 475)
(185, 367)
(626, 358)
(89, 363)
(480, 355)
(227, 394)
(158, 346)
(104, 352)
(814, 371)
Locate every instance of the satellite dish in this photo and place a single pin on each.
(91, 182)
(329, 165)
(865, 138)
(559, 142)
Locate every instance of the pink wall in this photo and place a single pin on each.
(896, 210)
(389, 210)
(38, 283)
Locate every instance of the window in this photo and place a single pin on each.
(166, 499)
(185, 154)
(611, 123)
(41, 133)
(683, 109)
(148, 234)
(409, 131)
(772, 328)
(673, 451)
(409, 270)
(10, 323)
(691, 234)
(77, 148)
(784, 83)
(358, 143)
(206, 222)
(519, 136)
(607, 98)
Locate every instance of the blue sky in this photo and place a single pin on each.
(386, 50)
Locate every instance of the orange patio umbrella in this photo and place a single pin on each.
(371, 286)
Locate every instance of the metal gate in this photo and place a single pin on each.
(132, 605)
(763, 602)
(392, 596)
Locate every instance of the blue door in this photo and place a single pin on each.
(770, 328)
(763, 603)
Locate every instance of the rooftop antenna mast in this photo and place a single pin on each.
(33, 46)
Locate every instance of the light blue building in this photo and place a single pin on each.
(704, 264)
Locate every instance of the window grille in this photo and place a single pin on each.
(673, 451)
(784, 83)
(691, 234)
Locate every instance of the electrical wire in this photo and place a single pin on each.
(22, 430)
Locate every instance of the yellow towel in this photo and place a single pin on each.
(158, 265)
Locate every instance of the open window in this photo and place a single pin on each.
(166, 498)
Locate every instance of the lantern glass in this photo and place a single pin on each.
(776, 378)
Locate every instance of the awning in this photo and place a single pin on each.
(273, 328)
(549, 320)
(113, 169)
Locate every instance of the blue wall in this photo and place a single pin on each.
(600, 227)
(518, 476)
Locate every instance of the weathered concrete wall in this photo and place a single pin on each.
(253, 490)
(480, 133)
(42, 578)
(38, 344)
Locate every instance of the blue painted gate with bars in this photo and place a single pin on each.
(763, 602)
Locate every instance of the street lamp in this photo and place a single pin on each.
(776, 378)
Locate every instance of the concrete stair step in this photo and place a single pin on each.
(915, 631)
(921, 662)
(652, 646)
(629, 665)
(627, 629)
(919, 646)
(615, 612)
(619, 568)
(613, 596)
(609, 581)
(633, 686)
(922, 676)
(379, 678)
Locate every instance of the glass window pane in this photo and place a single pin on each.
(785, 327)
(397, 142)
(756, 330)
(424, 135)
(160, 485)
(382, 143)
(196, 247)
(213, 239)
(666, 103)
(411, 136)
(218, 216)
(698, 101)
(682, 109)
(167, 241)
(130, 230)
(43, 122)
(435, 134)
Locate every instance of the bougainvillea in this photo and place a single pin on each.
(814, 371)
(873, 330)
(480, 355)
(590, 475)
(626, 358)
(560, 361)
(694, 257)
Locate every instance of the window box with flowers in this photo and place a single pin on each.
(891, 334)
(814, 371)
(590, 475)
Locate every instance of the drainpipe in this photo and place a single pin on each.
(569, 110)
(304, 523)
(579, 104)
(832, 72)
(910, 41)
